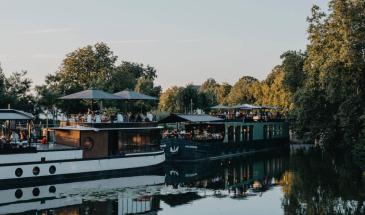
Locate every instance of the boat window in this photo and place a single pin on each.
(52, 169)
(88, 143)
(197, 132)
(18, 193)
(18, 172)
(230, 133)
(137, 141)
(52, 189)
(36, 191)
(238, 134)
(36, 170)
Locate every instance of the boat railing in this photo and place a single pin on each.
(6, 148)
(109, 125)
(254, 120)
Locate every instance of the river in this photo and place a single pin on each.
(271, 183)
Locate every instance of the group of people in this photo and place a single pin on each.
(16, 137)
(21, 137)
(200, 135)
(252, 116)
(98, 117)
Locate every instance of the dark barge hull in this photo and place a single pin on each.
(183, 150)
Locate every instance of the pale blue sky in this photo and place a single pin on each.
(187, 41)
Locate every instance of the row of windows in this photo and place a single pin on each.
(240, 133)
(35, 191)
(271, 131)
(36, 170)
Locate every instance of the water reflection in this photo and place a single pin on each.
(300, 184)
(318, 184)
(172, 184)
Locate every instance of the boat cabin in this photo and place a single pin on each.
(15, 131)
(98, 140)
(207, 128)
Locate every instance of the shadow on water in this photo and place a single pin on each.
(310, 183)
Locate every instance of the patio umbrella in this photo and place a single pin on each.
(246, 107)
(270, 107)
(135, 96)
(92, 95)
(132, 95)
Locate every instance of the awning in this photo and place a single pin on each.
(220, 107)
(270, 107)
(246, 107)
(11, 114)
(189, 118)
(132, 95)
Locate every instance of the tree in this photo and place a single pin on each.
(293, 68)
(272, 91)
(207, 94)
(222, 92)
(330, 104)
(95, 67)
(188, 99)
(18, 92)
(169, 100)
(243, 91)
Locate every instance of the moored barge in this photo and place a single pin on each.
(198, 137)
(79, 151)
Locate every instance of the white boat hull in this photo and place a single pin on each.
(78, 166)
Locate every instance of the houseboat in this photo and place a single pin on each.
(77, 150)
(201, 136)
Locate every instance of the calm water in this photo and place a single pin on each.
(267, 184)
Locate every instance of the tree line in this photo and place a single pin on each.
(276, 90)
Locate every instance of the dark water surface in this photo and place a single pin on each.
(267, 184)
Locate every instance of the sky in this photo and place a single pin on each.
(187, 41)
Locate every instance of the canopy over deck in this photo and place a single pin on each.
(92, 94)
(132, 95)
(189, 118)
(246, 107)
(270, 107)
(219, 107)
(11, 114)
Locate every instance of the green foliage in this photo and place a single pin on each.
(169, 100)
(273, 91)
(331, 100)
(95, 67)
(183, 99)
(222, 92)
(294, 74)
(18, 92)
(243, 91)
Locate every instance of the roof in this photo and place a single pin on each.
(91, 94)
(220, 107)
(189, 118)
(246, 107)
(132, 95)
(11, 114)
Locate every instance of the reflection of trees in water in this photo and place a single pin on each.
(317, 184)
